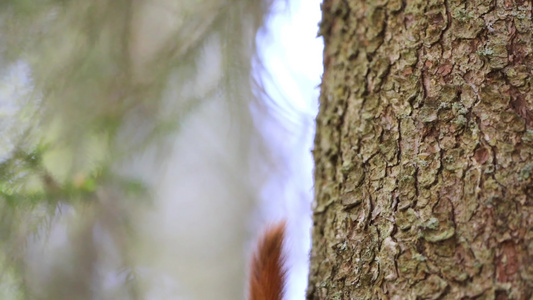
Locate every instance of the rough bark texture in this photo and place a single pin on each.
(424, 151)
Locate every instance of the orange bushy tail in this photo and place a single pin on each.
(267, 275)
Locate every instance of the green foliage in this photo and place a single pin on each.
(92, 98)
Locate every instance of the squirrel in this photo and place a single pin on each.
(267, 273)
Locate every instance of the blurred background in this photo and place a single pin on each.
(144, 145)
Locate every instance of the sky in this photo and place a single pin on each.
(291, 53)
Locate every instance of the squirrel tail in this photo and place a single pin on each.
(267, 274)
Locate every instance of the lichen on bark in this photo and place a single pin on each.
(423, 178)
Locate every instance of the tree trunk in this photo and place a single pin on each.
(424, 151)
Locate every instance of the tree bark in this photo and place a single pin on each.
(424, 151)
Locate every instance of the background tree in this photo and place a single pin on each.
(424, 151)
